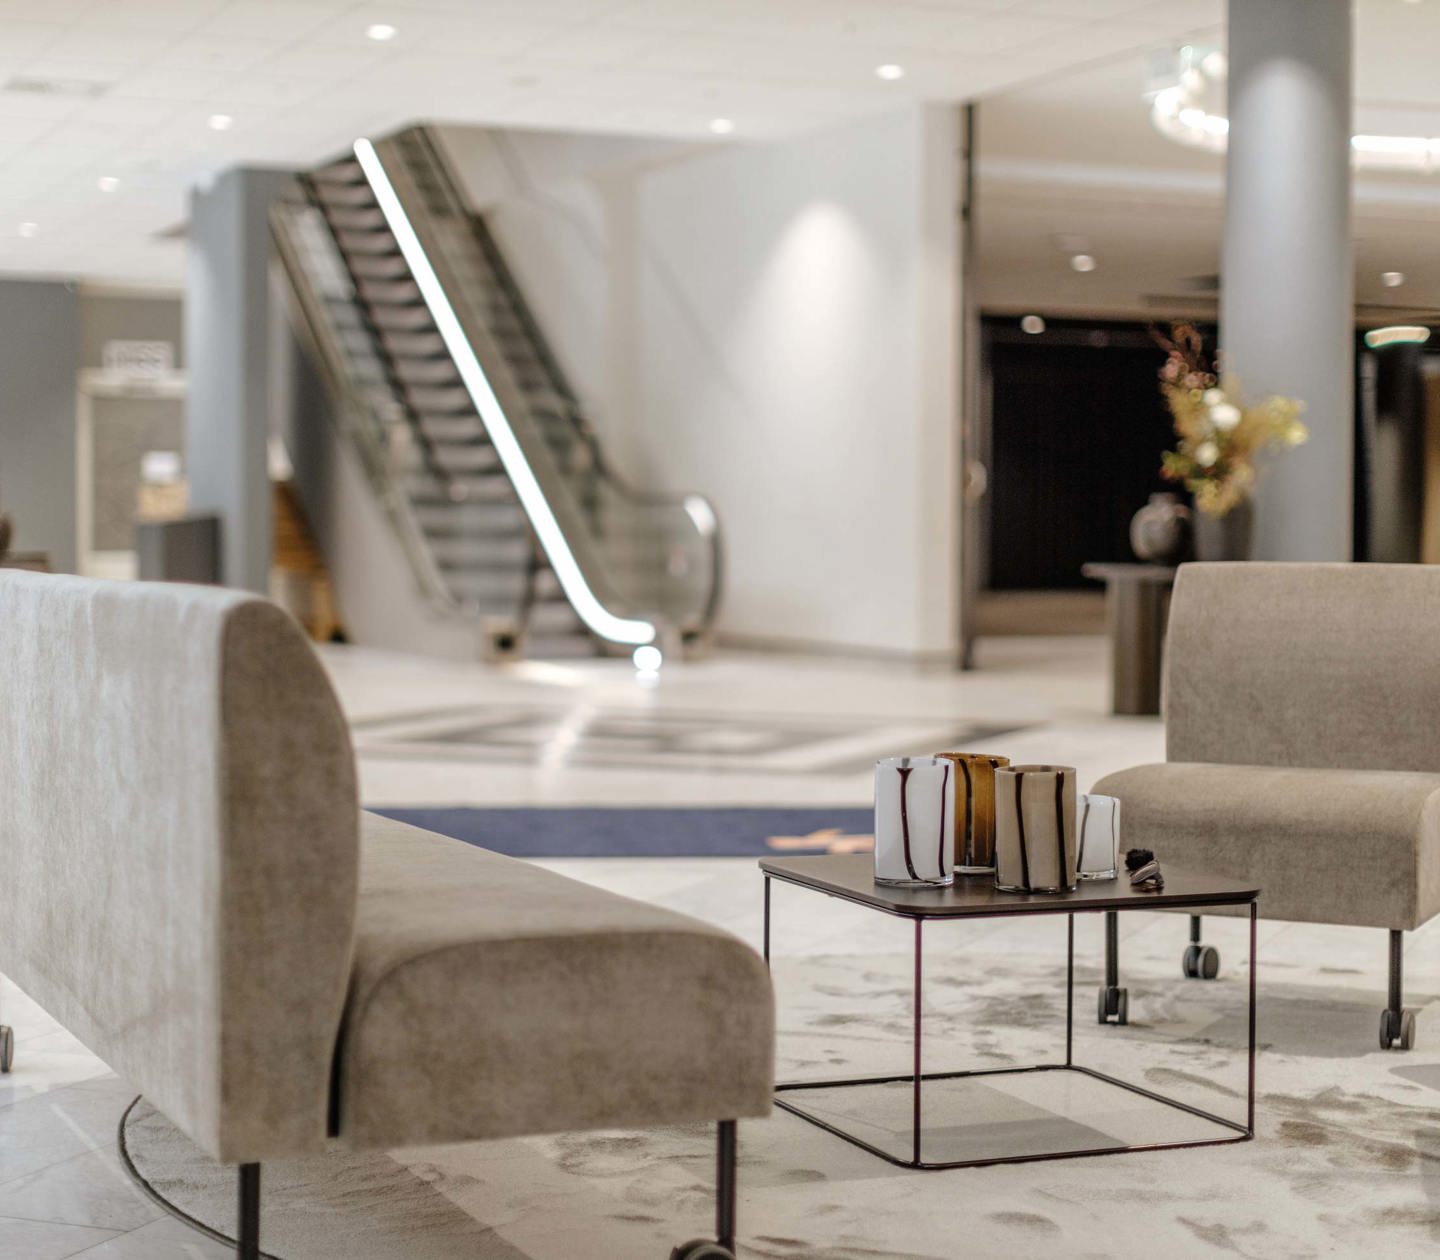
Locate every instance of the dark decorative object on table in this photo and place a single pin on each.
(1144, 870)
(1160, 531)
(1227, 537)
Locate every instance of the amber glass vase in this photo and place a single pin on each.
(974, 810)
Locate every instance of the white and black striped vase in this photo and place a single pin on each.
(914, 822)
(1035, 829)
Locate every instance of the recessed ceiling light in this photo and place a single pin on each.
(29, 229)
(1392, 279)
(1082, 262)
(381, 31)
(1032, 324)
(890, 72)
(221, 122)
(721, 126)
(107, 183)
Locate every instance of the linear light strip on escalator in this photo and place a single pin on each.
(512, 456)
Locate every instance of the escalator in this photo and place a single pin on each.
(471, 438)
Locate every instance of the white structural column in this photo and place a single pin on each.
(1286, 308)
(228, 351)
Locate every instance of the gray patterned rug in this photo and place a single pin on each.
(1347, 1159)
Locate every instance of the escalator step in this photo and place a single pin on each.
(347, 195)
(356, 218)
(400, 290)
(443, 400)
(402, 318)
(344, 172)
(426, 371)
(454, 458)
(379, 267)
(413, 344)
(453, 428)
(455, 520)
(365, 242)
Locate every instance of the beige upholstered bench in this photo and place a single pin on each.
(1302, 743)
(190, 888)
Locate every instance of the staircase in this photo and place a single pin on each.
(471, 436)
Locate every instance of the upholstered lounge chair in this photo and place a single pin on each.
(1302, 744)
(190, 888)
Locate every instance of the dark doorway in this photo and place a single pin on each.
(1077, 427)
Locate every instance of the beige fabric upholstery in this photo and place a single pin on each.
(492, 997)
(179, 864)
(1305, 665)
(1302, 739)
(1326, 846)
(178, 847)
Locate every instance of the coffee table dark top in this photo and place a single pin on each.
(852, 876)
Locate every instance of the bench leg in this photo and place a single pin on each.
(247, 1233)
(1114, 1004)
(1397, 1025)
(1202, 962)
(726, 1189)
(723, 1248)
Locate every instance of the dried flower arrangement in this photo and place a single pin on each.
(1219, 438)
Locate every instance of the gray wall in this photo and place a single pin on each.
(129, 317)
(39, 360)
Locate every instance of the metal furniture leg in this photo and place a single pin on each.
(1114, 1004)
(1201, 962)
(247, 1234)
(1397, 1025)
(726, 1182)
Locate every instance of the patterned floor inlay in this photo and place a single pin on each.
(669, 740)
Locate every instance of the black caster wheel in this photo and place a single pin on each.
(1113, 1006)
(1397, 1030)
(1202, 962)
(702, 1249)
(7, 1048)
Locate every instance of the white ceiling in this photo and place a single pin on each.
(301, 80)
(1076, 156)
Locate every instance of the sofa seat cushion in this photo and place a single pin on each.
(493, 998)
(1355, 847)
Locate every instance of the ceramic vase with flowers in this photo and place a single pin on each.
(1219, 440)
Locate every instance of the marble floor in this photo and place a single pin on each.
(792, 730)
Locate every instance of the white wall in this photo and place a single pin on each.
(775, 326)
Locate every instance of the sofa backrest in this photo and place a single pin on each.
(179, 847)
(1319, 665)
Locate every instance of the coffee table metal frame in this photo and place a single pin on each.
(783, 870)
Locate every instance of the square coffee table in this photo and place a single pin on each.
(850, 877)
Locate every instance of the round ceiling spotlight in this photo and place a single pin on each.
(721, 126)
(107, 183)
(1082, 262)
(890, 72)
(1032, 324)
(29, 229)
(220, 122)
(380, 32)
(647, 658)
(1392, 279)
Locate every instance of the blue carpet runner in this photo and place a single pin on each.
(630, 832)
